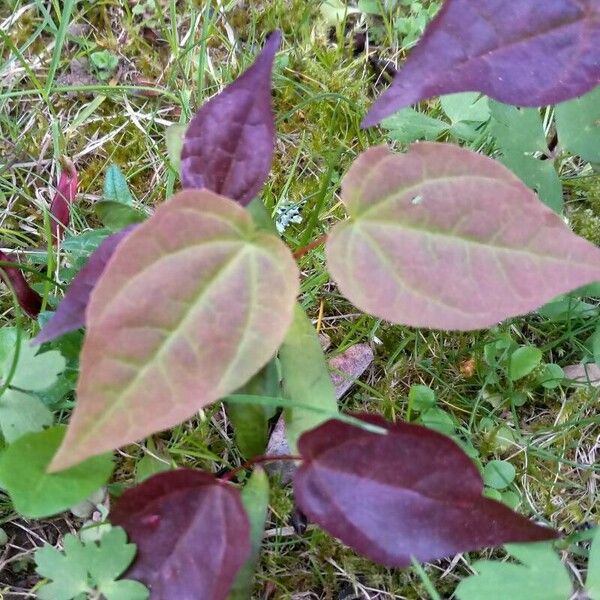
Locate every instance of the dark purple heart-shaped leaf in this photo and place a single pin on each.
(192, 534)
(70, 313)
(29, 300)
(524, 52)
(410, 493)
(228, 145)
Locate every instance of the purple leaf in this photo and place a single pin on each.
(191, 531)
(70, 314)
(525, 52)
(60, 209)
(228, 146)
(410, 493)
(29, 300)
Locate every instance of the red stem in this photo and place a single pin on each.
(306, 249)
(257, 460)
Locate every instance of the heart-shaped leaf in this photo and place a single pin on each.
(191, 531)
(409, 493)
(445, 238)
(516, 52)
(70, 314)
(228, 146)
(191, 305)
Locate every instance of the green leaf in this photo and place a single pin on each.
(36, 493)
(420, 398)
(85, 568)
(498, 474)
(151, 463)
(336, 11)
(523, 361)
(552, 376)
(306, 379)
(174, 135)
(255, 498)
(438, 420)
(517, 129)
(34, 372)
(251, 421)
(578, 125)
(116, 188)
(409, 125)
(540, 576)
(197, 301)
(68, 570)
(539, 175)
(592, 583)
(116, 215)
(466, 107)
(21, 413)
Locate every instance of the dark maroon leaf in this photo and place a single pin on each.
(412, 492)
(29, 300)
(524, 52)
(192, 534)
(228, 145)
(60, 209)
(70, 313)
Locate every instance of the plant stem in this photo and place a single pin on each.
(306, 249)
(257, 460)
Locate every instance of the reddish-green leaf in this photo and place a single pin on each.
(70, 314)
(524, 52)
(228, 145)
(409, 493)
(445, 238)
(29, 300)
(192, 534)
(191, 305)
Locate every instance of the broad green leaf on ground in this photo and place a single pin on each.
(539, 575)
(116, 215)
(191, 305)
(336, 11)
(255, 498)
(523, 361)
(498, 474)
(410, 493)
(35, 371)
(251, 421)
(592, 582)
(22, 413)
(466, 111)
(409, 125)
(306, 379)
(115, 187)
(578, 125)
(191, 531)
(519, 134)
(36, 493)
(88, 569)
(517, 129)
(539, 175)
(420, 398)
(445, 238)
(527, 58)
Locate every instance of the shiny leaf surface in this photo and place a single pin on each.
(513, 52)
(192, 304)
(445, 238)
(228, 145)
(191, 531)
(409, 493)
